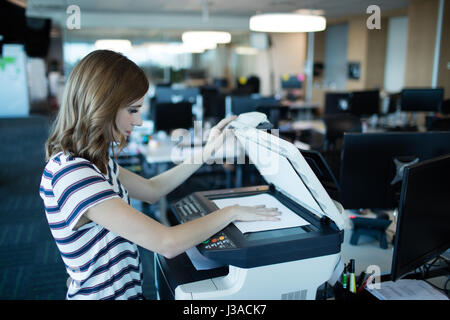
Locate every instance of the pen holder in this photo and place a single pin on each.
(344, 294)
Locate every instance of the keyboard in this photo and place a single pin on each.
(188, 209)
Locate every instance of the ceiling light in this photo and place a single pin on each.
(206, 37)
(242, 50)
(287, 22)
(115, 45)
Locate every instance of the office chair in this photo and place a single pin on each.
(336, 125)
(434, 123)
(445, 107)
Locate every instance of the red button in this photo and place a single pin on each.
(214, 240)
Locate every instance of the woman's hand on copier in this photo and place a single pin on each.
(255, 213)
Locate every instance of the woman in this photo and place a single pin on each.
(86, 194)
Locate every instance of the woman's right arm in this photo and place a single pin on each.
(122, 219)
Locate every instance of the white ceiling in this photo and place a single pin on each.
(164, 19)
(332, 8)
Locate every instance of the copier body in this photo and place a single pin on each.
(288, 263)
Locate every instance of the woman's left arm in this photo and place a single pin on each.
(153, 189)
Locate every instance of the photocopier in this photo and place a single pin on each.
(270, 262)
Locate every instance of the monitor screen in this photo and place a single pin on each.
(337, 102)
(365, 102)
(423, 224)
(292, 82)
(167, 94)
(171, 116)
(322, 171)
(372, 164)
(426, 99)
(213, 103)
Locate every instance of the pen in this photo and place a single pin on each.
(344, 277)
(361, 288)
(352, 284)
(361, 279)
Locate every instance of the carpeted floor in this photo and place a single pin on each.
(30, 265)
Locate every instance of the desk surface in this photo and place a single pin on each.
(300, 104)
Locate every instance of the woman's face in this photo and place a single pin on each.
(129, 117)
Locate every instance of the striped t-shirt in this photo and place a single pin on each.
(101, 264)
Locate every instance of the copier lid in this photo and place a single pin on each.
(282, 164)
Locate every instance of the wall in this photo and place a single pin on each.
(287, 55)
(376, 56)
(394, 71)
(336, 42)
(422, 21)
(357, 50)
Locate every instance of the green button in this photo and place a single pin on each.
(206, 241)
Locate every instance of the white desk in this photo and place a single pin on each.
(300, 105)
(316, 125)
(168, 152)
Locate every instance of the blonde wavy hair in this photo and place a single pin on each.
(100, 85)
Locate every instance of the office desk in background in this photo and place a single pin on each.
(163, 154)
(300, 107)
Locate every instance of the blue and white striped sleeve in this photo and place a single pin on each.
(77, 187)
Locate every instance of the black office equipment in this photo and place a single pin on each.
(277, 250)
(421, 99)
(337, 102)
(423, 225)
(249, 103)
(364, 103)
(166, 94)
(445, 107)
(372, 164)
(436, 123)
(171, 116)
(37, 36)
(394, 102)
(323, 172)
(213, 104)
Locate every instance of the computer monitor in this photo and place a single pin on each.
(372, 165)
(170, 116)
(292, 82)
(394, 102)
(213, 103)
(423, 223)
(421, 99)
(166, 94)
(249, 103)
(322, 171)
(337, 102)
(249, 85)
(364, 103)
